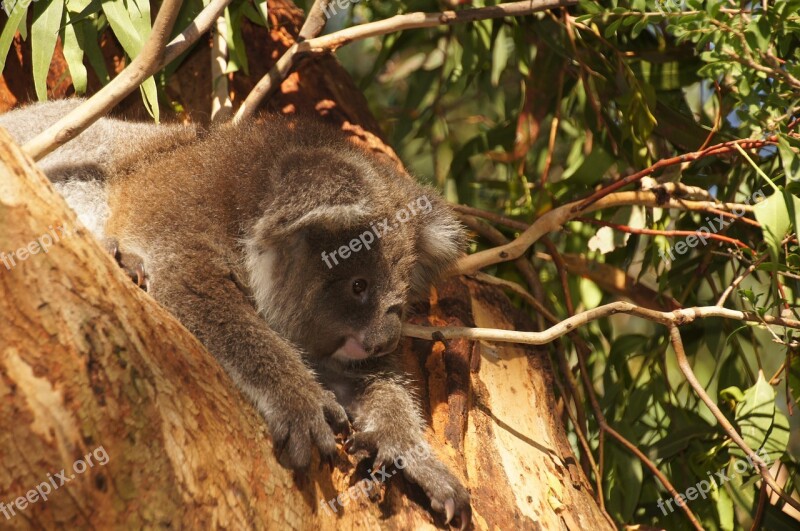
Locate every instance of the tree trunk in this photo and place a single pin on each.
(92, 369)
(90, 362)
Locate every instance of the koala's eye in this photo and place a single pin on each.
(359, 286)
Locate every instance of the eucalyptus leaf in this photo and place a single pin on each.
(773, 214)
(72, 40)
(85, 9)
(73, 55)
(44, 34)
(16, 18)
(755, 415)
(88, 37)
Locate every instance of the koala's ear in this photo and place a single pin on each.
(280, 234)
(441, 241)
(278, 226)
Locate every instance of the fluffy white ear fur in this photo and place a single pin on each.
(440, 243)
(339, 216)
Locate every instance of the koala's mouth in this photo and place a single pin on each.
(352, 350)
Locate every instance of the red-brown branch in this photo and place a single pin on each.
(668, 233)
(717, 149)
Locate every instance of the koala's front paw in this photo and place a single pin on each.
(419, 466)
(445, 491)
(303, 421)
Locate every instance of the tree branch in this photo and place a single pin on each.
(147, 63)
(200, 25)
(717, 149)
(674, 318)
(155, 55)
(221, 105)
(554, 219)
(267, 84)
(315, 21)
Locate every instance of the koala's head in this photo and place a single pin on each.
(346, 241)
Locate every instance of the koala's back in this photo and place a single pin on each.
(227, 180)
(103, 148)
(81, 168)
(155, 185)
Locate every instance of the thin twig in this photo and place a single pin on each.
(615, 281)
(686, 369)
(491, 216)
(678, 317)
(523, 265)
(762, 504)
(551, 141)
(717, 149)
(738, 280)
(656, 472)
(668, 233)
(717, 118)
(512, 286)
(556, 218)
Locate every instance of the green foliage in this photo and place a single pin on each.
(521, 115)
(80, 23)
(622, 86)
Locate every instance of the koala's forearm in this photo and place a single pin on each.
(211, 305)
(205, 296)
(386, 405)
(390, 425)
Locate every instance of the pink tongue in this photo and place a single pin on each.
(353, 350)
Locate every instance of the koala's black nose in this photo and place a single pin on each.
(386, 335)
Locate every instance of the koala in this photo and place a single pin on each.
(80, 170)
(291, 253)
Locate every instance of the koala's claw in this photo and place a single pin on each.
(335, 414)
(465, 515)
(326, 460)
(296, 431)
(466, 518)
(449, 510)
(444, 490)
(131, 264)
(293, 448)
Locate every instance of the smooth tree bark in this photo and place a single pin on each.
(91, 366)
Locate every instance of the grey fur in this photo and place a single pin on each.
(106, 146)
(231, 228)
